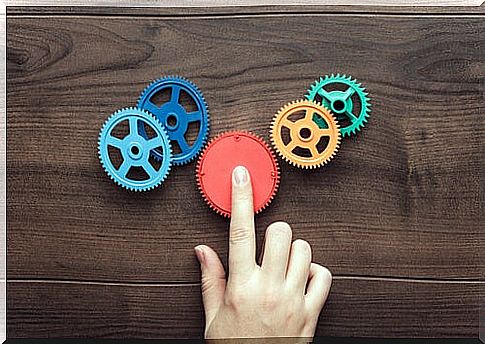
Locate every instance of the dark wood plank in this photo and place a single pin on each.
(38, 310)
(400, 199)
(355, 308)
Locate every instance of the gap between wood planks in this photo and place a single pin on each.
(244, 11)
(192, 284)
(249, 15)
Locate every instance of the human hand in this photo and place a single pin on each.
(282, 297)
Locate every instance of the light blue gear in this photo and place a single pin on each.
(174, 117)
(340, 103)
(135, 149)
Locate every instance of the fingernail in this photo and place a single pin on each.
(240, 175)
(199, 252)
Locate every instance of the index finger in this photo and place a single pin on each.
(242, 241)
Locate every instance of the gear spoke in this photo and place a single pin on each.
(291, 145)
(124, 168)
(287, 123)
(350, 91)
(195, 116)
(133, 121)
(153, 143)
(334, 89)
(148, 167)
(314, 151)
(151, 107)
(325, 132)
(114, 141)
(309, 114)
(183, 143)
(351, 116)
(175, 94)
(135, 149)
(199, 115)
(323, 93)
(307, 134)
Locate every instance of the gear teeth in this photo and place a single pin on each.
(289, 156)
(277, 178)
(199, 183)
(208, 146)
(123, 181)
(190, 154)
(362, 93)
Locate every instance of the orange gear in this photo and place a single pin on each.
(308, 123)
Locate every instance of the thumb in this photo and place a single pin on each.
(213, 282)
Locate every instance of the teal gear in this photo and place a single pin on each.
(341, 103)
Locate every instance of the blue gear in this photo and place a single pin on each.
(179, 118)
(135, 149)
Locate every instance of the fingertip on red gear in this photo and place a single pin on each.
(221, 155)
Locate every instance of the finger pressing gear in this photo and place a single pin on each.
(305, 134)
(222, 155)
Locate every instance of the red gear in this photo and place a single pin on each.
(221, 155)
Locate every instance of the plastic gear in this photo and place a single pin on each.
(134, 149)
(222, 155)
(301, 144)
(175, 118)
(341, 102)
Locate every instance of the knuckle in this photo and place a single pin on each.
(292, 314)
(294, 310)
(270, 300)
(235, 299)
(207, 284)
(239, 234)
(244, 197)
(308, 328)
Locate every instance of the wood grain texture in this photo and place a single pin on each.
(355, 308)
(401, 199)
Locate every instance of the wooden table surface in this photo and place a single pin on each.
(395, 216)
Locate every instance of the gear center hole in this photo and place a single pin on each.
(135, 151)
(305, 133)
(172, 120)
(338, 105)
